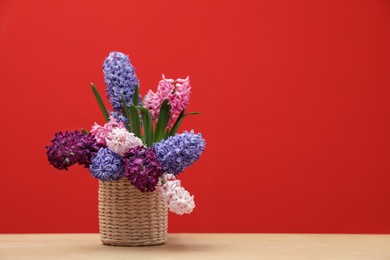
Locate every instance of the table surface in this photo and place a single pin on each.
(200, 247)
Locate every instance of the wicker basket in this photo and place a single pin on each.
(128, 217)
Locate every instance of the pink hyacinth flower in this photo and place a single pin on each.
(176, 91)
(101, 132)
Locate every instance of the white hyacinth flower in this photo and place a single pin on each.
(120, 141)
(177, 198)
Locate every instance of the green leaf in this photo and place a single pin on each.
(162, 121)
(147, 123)
(166, 134)
(136, 96)
(134, 121)
(84, 131)
(177, 123)
(150, 119)
(143, 100)
(179, 120)
(126, 112)
(192, 113)
(100, 102)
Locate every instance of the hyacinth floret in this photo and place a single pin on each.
(182, 202)
(142, 168)
(107, 165)
(176, 91)
(70, 148)
(101, 132)
(120, 140)
(177, 199)
(179, 151)
(120, 78)
(119, 117)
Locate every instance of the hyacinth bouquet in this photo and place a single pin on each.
(138, 151)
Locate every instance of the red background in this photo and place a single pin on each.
(294, 98)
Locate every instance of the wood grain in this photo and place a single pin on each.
(200, 247)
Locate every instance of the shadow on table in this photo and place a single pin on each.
(174, 244)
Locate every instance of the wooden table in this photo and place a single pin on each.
(200, 247)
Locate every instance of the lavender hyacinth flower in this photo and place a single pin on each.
(120, 78)
(107, 165)
(70, 148)
(119, 118)
(179, 151)
(142, 168)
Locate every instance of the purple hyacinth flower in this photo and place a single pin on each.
(107, 165)
(120, 78)
(179, 151)
(142, 168)
(70, 148)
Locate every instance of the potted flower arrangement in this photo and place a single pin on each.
(137, 155)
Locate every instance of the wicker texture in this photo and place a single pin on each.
(129, 217)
